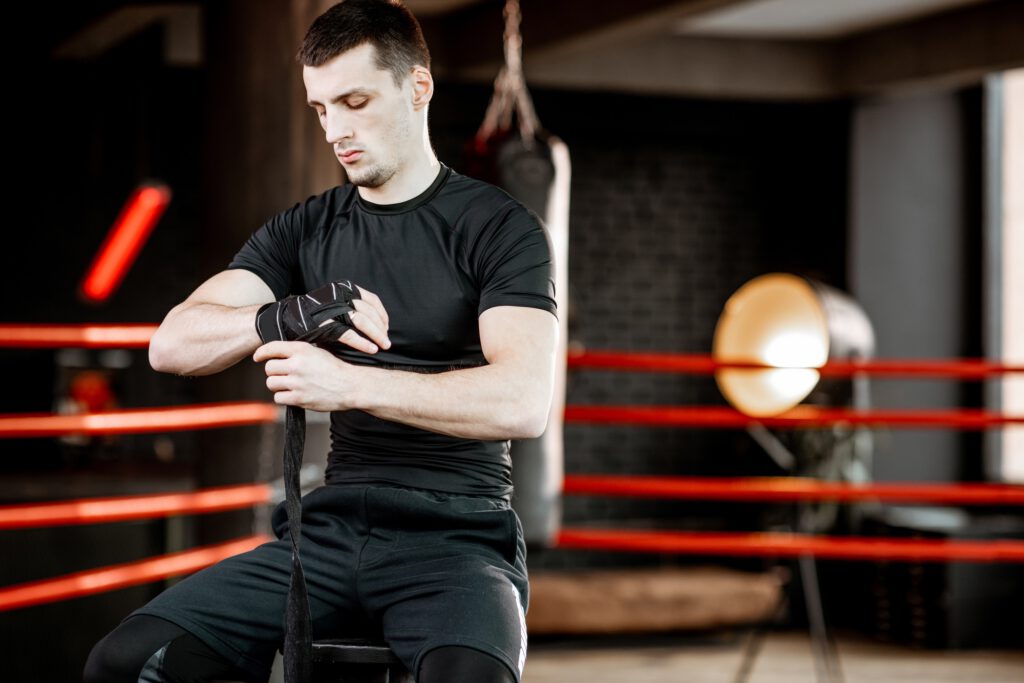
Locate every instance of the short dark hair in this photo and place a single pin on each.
(386, 24)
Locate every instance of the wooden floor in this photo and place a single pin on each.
(785, 657)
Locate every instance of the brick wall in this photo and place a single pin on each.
(675, 204)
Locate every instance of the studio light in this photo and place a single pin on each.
(794, 324)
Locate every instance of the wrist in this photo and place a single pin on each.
(360, 395)
(267, 322)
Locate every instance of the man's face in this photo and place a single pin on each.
(367, 118)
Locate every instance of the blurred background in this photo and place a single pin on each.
(872, 145)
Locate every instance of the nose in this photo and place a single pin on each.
(337, 127)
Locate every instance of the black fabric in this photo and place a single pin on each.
(295, 315)
(121, 655)
(454, 663)
(437, 262)
(417, 568)
(298, 641)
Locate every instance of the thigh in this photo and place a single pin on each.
(454, 576)
(237, 606)
(150, 648)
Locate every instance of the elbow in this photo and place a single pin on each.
(534, 420)
(163, 356)
(159, 358)
(535, 429)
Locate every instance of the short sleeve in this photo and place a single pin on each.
(514, 262)
(272, 251)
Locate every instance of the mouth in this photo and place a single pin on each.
(350, 156)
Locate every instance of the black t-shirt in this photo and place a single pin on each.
(436, 261)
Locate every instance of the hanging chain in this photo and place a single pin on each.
(513, 39)
(510, 93)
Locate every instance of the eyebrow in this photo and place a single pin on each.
(347, 93)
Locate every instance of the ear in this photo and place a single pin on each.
(422, 87)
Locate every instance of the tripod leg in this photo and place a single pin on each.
(826, 662)
(756, 640)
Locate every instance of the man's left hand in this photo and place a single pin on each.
(307, 376)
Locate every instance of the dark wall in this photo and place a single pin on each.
(675, 204)
(915, 189)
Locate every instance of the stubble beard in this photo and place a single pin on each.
(373, 177)
(380, 173)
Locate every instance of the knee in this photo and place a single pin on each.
(122, 653)
(457, 663)
(108, 663)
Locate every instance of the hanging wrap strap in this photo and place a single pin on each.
(298, 639)
(510, 93)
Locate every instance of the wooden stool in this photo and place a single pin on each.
(357, 660)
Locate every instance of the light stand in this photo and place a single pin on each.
(796, 324)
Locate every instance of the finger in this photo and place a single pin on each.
(353, 339)
(277, 383)
(375, 301)
(287, 398)
(275, 366)
(373, 313)
(273, 349)
(369, 328)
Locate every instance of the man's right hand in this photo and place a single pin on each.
(341, 301)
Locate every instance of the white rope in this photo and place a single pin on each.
(510, 93)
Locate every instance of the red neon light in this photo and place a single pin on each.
(122, 575)
(124, 241)
(789, 489)
(137, 421)
(48, 335)
(791, 545)
(800, 416)
(696, 363)
(99, 510)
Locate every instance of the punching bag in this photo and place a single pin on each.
(533, 166)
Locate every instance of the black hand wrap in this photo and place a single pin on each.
(297, 315)
(300, 318)
(298, 637)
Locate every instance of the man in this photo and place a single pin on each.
(449, 355)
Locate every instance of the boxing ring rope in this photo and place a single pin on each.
(749, 489)
(122, 575)
(124, 508)
(113, 509)
(87, 336)
(779, 544)
(789, 489)
(696, 363)
(138, 420)
(801, 416)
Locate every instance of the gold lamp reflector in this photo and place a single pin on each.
(789, 322)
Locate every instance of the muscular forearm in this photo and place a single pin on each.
(487, 402)
(203, 338)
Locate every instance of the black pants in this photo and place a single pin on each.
(152, 650)
(424, 570)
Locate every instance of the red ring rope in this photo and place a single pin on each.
(790, 489)
(100, 510)
(800, 416)
(705, 364)
(139, 420)
(90, 336)
(122, 575)
(791, 545)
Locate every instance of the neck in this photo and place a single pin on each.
(412, 179)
